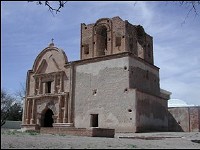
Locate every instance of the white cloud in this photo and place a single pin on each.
(178, 103)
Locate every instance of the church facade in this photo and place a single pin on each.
(114, 85)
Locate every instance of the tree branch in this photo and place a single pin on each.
(51, 8)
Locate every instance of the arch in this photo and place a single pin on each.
(103, 20)
(47, 118)
(39, 57)
(42, 67)
(101, 33)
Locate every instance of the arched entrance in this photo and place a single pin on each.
(101, 40)
(47, 118)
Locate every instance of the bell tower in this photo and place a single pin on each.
(113, 35)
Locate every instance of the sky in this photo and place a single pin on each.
(27, 28)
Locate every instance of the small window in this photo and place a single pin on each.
(86, 49)
(118, 41)
(48, 87)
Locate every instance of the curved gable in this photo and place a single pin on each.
(51, 59)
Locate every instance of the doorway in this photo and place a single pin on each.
(94, 120)
(48, 119)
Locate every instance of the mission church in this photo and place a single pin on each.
(114, 85)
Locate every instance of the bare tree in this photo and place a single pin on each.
(6, 103)
(11, 107)
(21, 92)
(190, 6)
(54, 6)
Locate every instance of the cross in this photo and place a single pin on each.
(52, 40)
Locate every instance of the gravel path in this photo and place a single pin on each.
(13, 139)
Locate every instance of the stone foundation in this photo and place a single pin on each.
(91, 132)
(32, 127)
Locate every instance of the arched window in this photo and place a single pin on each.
(101, 40)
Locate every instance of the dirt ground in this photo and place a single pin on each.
(15, 139)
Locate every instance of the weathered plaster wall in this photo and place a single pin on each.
(151, 113)
(102, 88)
(144, 76)
(185, 119)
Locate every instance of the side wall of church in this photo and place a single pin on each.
(152, 113)
(144, 76)
(102, 89)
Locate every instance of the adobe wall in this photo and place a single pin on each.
(48, 88)
(113, 35)
(184, 119)
(152, 113)
(144, 76)
(102, 88)
(49, 61)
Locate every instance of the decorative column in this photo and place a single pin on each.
(24, 111)
(59, 109)
(40, 86)
(27, 112)
(69, 111)
(35, 88)
(65, 108)
(38, 119)
(61, 82)
(33, 110)
(55, 89)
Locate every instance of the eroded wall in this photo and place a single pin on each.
(185, 119)
(152, 113)
(144, 76)
(102, 88)
(109, 36)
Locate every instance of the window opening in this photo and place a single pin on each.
(48, 87)
(86, 49)
(118, 41)
(101, 40)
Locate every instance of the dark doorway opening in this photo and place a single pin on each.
(48, 120)
(94, 120)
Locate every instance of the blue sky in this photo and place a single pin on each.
(27, 28)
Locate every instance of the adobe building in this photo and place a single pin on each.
(114, 85)
(184, 119)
